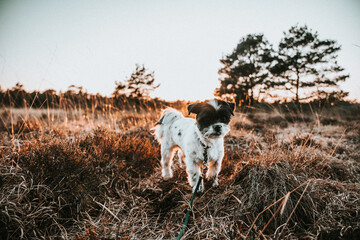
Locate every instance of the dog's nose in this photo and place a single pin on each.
(217, 128)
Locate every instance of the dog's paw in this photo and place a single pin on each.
(215, 183)
(200, 189)
(166, 174)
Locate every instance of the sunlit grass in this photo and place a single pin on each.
(87, 173)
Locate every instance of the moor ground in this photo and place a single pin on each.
(285, 175)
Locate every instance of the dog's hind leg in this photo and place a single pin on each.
(167, 154)
(181, 157)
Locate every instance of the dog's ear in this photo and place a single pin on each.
(231, 106)
(194, 108)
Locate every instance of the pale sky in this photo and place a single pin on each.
(53, 44)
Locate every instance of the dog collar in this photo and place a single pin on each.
(201, 138)
(205, 153)
(202, 144)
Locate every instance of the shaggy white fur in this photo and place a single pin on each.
(175, 132)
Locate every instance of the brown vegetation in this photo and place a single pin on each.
(72, 175)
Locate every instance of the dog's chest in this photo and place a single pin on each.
(187, 139)
(197, 153)
(215, 153)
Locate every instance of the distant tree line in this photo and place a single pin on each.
(303, 67)
(131, 95)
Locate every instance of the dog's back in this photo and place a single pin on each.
(168, 117)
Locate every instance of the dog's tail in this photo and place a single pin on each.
(168, 117)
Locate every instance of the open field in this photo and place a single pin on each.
(73, 174)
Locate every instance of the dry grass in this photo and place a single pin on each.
(96, 175)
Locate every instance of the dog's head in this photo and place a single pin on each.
(212, 117)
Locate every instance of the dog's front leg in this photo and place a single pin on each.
(194, 171)
(213, 172)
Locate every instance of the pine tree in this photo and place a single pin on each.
(306, 62)
(245, 70)
(138, 85)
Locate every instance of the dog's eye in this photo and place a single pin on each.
(205, 122)
(224, 119)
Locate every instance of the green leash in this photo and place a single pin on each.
(189, 210)
(187, 216)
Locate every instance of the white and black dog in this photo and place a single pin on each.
(191, 138)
